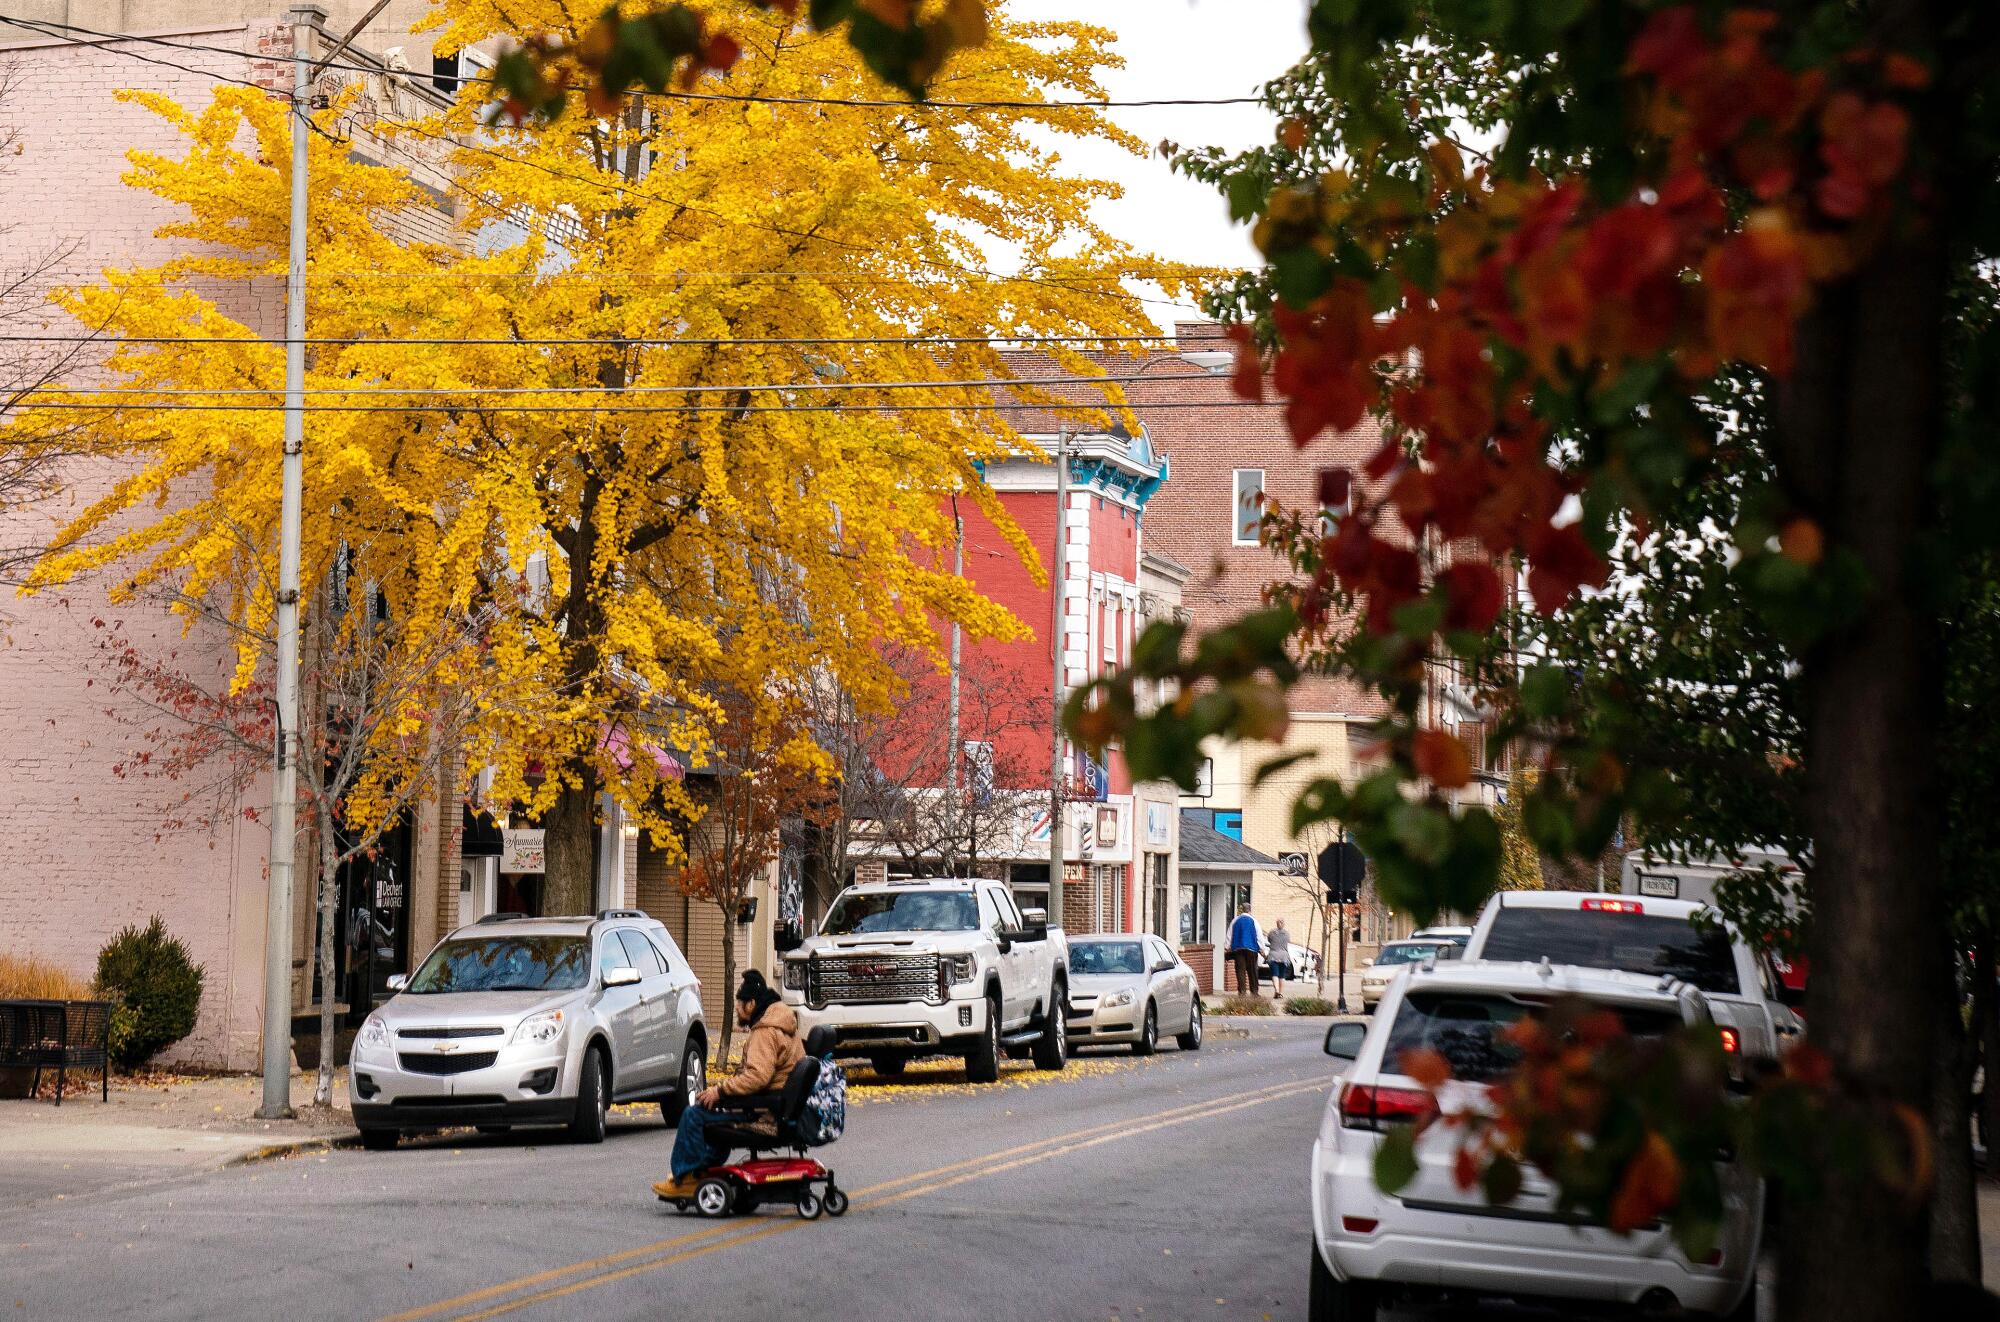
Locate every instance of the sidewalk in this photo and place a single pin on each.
(153, 1126)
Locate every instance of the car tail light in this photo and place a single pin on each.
(1730, 1042)
(1370, 1106)
(1359, 1225)
(1613, 906)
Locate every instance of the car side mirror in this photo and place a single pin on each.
(1343, 1041)
(787, 937)
(398, 982)
(623, 976)
(1791, 997)
(1166, 966)
(1035, 917)
(1367, 963)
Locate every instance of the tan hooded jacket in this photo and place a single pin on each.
(769, 1053)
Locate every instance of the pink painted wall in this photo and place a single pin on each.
(83, 851)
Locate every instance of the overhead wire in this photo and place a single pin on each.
(607, 342)
(755, 98)
(969, 406)
(759, 387)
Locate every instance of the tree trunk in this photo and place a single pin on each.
(1856, 428)
(569, 841)
(329, 983)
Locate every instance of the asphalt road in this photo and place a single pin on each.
(1165, 1188)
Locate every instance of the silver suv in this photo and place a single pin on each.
(533, 1021)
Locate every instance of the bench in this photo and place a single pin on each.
(57, 1035)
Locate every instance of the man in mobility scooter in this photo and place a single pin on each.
(762, 1107)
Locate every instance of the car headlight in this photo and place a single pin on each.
(374, 1033)
(540, 1029)
(959, 968)
(1115, 999)
(795, 975)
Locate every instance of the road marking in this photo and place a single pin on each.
(879, 1195)
(711, 1232)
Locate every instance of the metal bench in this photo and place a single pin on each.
(57, 1035)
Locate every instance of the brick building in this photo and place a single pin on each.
(86, 847)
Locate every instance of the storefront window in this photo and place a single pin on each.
(1190, 914)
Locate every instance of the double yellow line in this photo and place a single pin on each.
(523, 1292)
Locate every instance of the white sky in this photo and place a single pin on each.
(1181, 48)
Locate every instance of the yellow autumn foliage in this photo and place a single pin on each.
(750, 513)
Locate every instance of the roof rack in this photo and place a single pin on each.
(603, 914)
(502, 917)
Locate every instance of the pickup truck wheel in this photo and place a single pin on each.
(1052, 1047)
(1191, 1040)
(982, 1061)
(1149, 1032)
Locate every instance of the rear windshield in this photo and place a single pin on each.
(506, 963)
(1106, 957)
(1410, 953)
(1633, 942)
(1467, 1028)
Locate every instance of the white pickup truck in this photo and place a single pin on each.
(934, 966)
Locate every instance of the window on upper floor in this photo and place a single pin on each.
(1249, 506)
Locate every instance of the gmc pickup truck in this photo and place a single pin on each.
(934, 966)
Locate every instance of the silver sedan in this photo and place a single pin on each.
(1131, 989)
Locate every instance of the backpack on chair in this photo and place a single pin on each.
(825, 1115)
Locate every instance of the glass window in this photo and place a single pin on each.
(1633, 942)
(1412, 952)
(1009, 915)
(989, 911)
(506, 963)
(1468, 1030)
(611, 954)
(1107, 957)
(644, 957)
(858, 913)
(1249, 505)
(1188, 894)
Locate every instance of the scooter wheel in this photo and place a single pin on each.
(836, 1202)
(713, 1196)
(809, 1204)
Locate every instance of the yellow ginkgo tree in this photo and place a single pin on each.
(690, 383)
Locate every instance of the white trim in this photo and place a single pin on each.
(1236, 507)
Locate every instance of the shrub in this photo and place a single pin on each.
(151, 974)
(1245, 1005)
(26, 978)
(1314, 1005)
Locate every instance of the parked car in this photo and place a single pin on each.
(1650, 937)
(1131, 989)
(1458, 936)
(533, 1021)
(1371, 1247)
(1305, 965)
(1377, 973)
(934, 966)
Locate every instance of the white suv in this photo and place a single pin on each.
(1651, 937)
(1432, 1236)
(532, 1021)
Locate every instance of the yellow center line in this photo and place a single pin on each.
(987, 1165)
(713, 1232)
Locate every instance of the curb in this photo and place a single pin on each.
(346, 1138)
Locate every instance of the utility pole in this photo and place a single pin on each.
(1340, 915)
(957, 643)
(284, 777)
(1057, 578)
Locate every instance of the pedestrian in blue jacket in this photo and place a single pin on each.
(1244, 951)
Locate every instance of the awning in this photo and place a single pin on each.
(617, 743)
(1205, 849)
(481, 838)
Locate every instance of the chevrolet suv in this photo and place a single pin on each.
(533, 1021)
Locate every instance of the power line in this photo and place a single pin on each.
(37, 25)
(762, 387)
(754, 98)
(970, 406)
(612, 342)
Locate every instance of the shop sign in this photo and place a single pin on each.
(523, 851)
(1159, 824)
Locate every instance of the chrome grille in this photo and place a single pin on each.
(869, 979)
